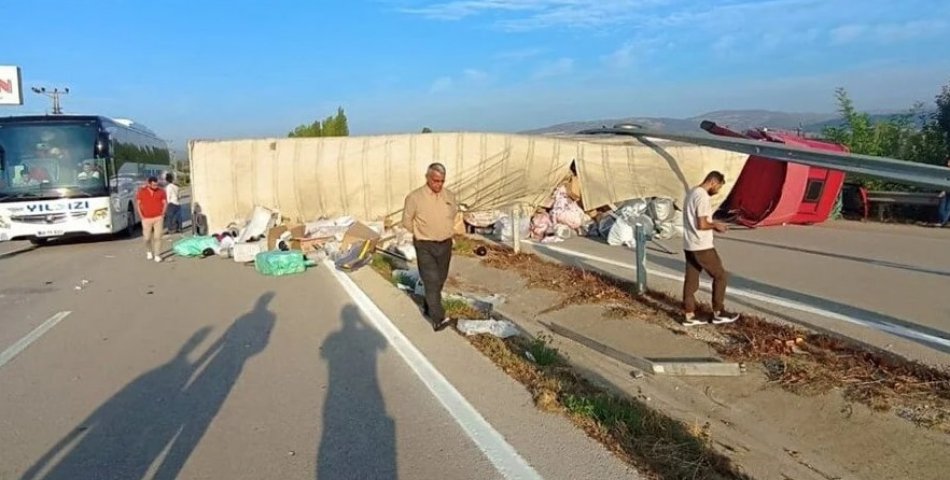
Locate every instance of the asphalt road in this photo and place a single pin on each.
(205, 369)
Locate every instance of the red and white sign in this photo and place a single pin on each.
(11, 88)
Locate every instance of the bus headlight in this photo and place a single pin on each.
(100, 215)
(4, 223)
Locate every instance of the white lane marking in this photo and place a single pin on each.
(31, 337)
(499, 452)
(766, 298)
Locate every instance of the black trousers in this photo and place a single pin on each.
(433, 259)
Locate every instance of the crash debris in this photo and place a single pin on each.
(278, 246)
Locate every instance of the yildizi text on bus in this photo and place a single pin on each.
(72, 175)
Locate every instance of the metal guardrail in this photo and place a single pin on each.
(907, 198)
(909, 173)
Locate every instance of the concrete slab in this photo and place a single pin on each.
(679, 366)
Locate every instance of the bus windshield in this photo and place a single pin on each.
(50, 160)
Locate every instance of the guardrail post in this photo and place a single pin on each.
(516, 228)
(640, 236)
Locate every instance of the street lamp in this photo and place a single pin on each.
(54, 94)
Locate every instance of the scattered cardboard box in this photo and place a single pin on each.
(358, 233)
(296, 231)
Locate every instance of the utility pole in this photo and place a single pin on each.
(54, 94)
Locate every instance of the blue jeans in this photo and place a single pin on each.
(943, 211)
(173, 218)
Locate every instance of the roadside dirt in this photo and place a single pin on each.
(808, 406)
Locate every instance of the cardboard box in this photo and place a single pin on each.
(296, 231)
(360, 232)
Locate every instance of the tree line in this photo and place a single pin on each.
(915, 135)
(332, 126)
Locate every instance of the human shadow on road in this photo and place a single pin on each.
(201, 401)
(159, 411)
(359, 438)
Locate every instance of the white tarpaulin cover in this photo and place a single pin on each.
(368, 177)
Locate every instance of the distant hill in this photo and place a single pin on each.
(736, 119)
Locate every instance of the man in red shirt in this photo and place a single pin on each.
(150, 204)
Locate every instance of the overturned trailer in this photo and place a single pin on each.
(369, 176)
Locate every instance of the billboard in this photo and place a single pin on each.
(11, 88)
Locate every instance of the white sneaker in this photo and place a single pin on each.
(724, 317)
(148, 255)
(158, 259)
(690, 320)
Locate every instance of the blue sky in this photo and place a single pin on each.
(201, 69)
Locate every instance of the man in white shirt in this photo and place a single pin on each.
(698, 227)
(173, 212)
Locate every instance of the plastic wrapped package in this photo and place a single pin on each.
(677, 222)
(482, 219)
(407, 251)
(277, 263)
(621, 233)
(572, 216)
(498, 328)
(630, 209)
(566, 211)
(225, 245)
(541, 225)
(563, 232)
(604, 225)
(194, 246)
(665, 231)
(503, 227)
(406, 279)
(649, 226)
(661, 209)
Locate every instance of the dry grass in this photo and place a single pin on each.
(638, 434)
(575, 285)
(460, 309)
(383, 265)
(800, 361)
(465, 246)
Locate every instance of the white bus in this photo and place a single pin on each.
(73, 175)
